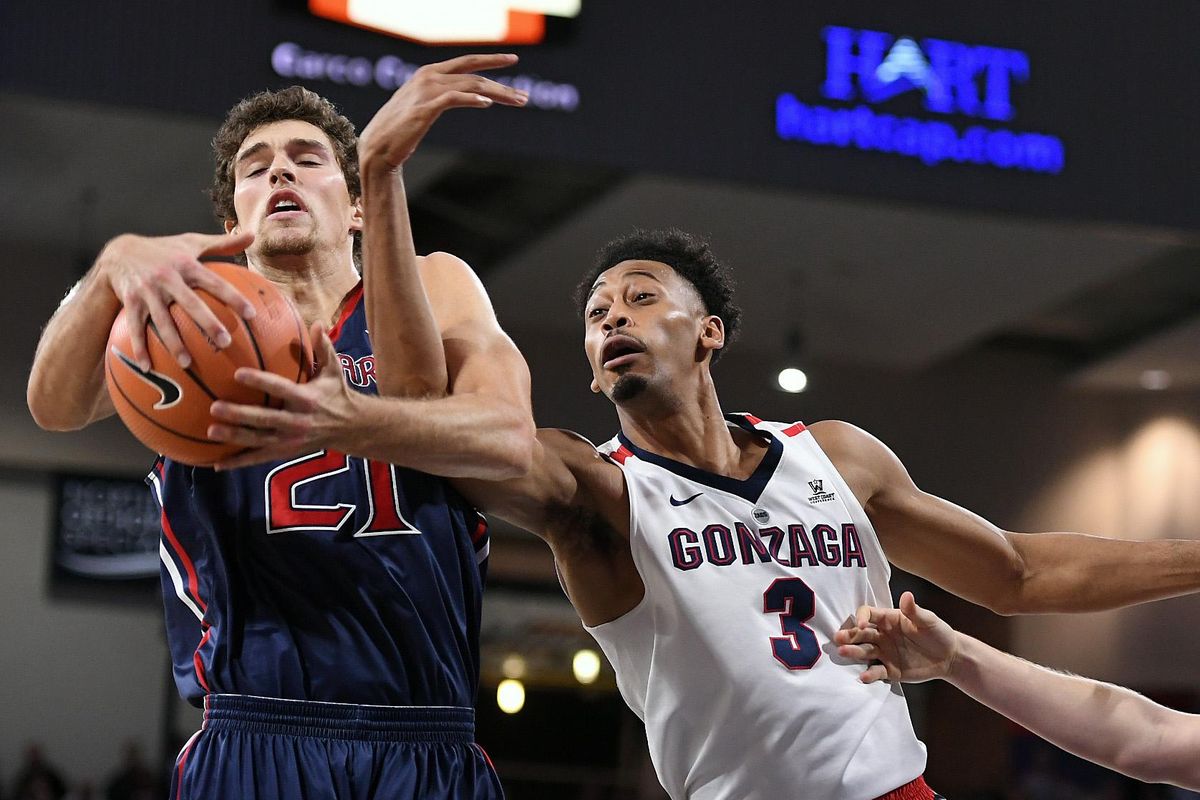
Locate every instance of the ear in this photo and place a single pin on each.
(231, 226)
(595, 387)
(356, 216)
(712, 334)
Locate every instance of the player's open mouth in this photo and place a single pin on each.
(285, 204)
(619, 350)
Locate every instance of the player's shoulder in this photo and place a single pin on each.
(459, 299)
(440, 268)
(440, 259)
(838, 432)
(862, 459)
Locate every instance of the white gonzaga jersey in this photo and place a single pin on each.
(729, 658)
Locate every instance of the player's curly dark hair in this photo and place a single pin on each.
(690, 256)
(264, 108)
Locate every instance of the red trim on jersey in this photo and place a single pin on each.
(480, 530)
(193, 581)
(915, 789)
(794, 430)
(197, 663)
(620, 454)
(349, 302)
(753, 420)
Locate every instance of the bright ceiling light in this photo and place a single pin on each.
(510, 696)
(792, 380)
(586, 666)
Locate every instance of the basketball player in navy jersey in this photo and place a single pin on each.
(323, 588)
(714, 556)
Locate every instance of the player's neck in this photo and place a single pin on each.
(694, 433)
(316, 285)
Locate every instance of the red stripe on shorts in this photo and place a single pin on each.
(182, 763)
(913, 790)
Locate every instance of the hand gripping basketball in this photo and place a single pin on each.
(167, 404)
(318, 414)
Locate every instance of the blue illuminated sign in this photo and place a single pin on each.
(867, 68)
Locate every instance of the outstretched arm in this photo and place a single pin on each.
(575, 500)
(1107, 724)
(1010, 573)
(405, 339)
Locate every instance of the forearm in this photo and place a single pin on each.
(1107, 724)
(66, 383)
(463, 436)
(1073, 572)
(409, 361)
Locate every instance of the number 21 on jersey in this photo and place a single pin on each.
(373, 482)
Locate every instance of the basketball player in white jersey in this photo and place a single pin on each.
(714, 557)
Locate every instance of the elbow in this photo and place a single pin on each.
(1010, 597)
(48, 415)
(1007, 604)
(514, 456)
(1144, 765)
(1157, 748)
(1013, 589)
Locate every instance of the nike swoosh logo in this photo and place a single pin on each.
(675, 502)
(169, 389)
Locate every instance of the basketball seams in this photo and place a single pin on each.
(262, 365)
(302, 368)
(191, 373)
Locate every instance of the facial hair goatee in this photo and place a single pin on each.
(628, 387)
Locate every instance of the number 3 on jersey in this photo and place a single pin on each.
(376, 483)
(795, 604)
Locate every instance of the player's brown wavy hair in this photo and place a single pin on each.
(264, 108)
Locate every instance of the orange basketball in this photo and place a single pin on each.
(166, 408)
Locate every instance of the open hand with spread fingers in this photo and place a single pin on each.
(400, 125)
(149, 273)
(319, 414)
(909, 643)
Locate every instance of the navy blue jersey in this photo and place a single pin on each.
(324, 577)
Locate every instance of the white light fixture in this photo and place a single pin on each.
(586, 666)
(792, 379)
(1155, 380)
(510, 696)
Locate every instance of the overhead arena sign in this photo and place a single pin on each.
(866, 70)
(451, 21)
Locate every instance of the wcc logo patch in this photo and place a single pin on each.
(819, 495)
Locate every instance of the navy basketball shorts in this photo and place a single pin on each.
(255, 748)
